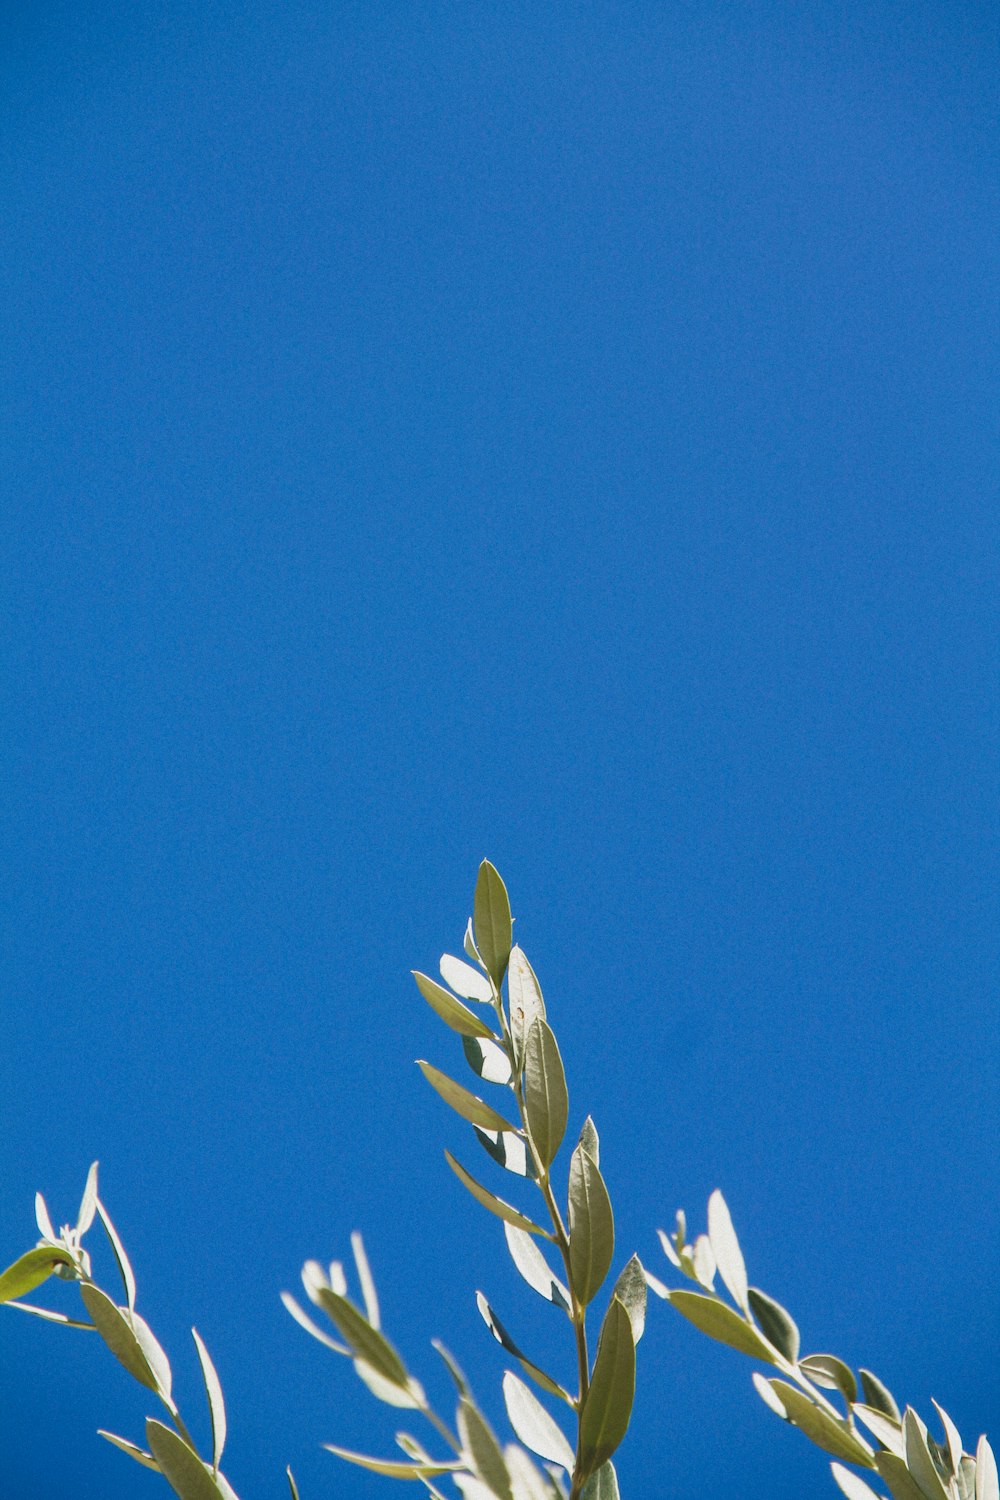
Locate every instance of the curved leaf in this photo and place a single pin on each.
(464, 1103)
(533, 1266)
(507, 1150)
(392, 1468)
(878, 1396)
(118, 1249)
(602, 1484)
(132, 1449)
(489, 1200)
(452, 1012)
(726, 1248)
(777, 1325)
(180, 1465)
(630, 1289)
(721, 1322)
(987, 1486)
(852, 1485)
(31, 1269)
(830, 1372)
(466, 981)
(820, 1428)
(367, 1342)
(546, 1101)
(533, 1424)
(492, 922)
(119, 1335)
(482, 1449)
(524, 995)
(505, 1341)
(486, 1059)
(216, 1404)
(918, 1457)
(591, 1226)
(608, 1407)
(901, 1483)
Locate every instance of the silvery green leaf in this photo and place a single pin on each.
(880, 1426)
(368, 1294)
(703, 1261)
(526, 1482)
(630, 1289)
(43, 1220)
(305, 1321)
(121, 1259)
(132, 1449)
(507, 1150)
(533, 1424)
(292, 1485)
(721, 1322)
(464, 1103)
(832, 1374)
(180, 1466)
(608, 1407)
(777, 1325)
(602, 1484)
(877, 1396)
(50, 1316)
(668, 1248)
(488, 1061)
(524, 995)
(505, 1341)
(590, 1140)
(492, 922)
(852, 1485)
(490, 1201)
(480, 1447)
(392, 1468)
(471, 1488)
(768, 1395)
(591, 1226)
(466, 981)
(726, 1248)
(115, 1327)
(901, 1483)
(366, 1342)
(533, 1266)
(408, 1396)
(546, 1101)
(31, 1269)
(826, 1432)
(987, 1487)
(917, 1454)
(88, 1203)
(965, 1481)
(216, 1404)
(451, 1011)
(469, 943)
(154, 1353)
(953, 1438)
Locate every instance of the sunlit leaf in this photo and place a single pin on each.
(486, 1059)
(481, 1448)
(820, 1428)
(590, 1140)
(608, 1407)
(546, 1101)
(119, 1335)
(526, 1481)
(492, 922)
(305, 1321)
(392, 1468)
(132, 1449)
(43, 1219)
(118, 1249)
(721, 1322)
(50, 1316)
(524, 995)
(764, 1390)
(602, 1484)
(407, 1397)
(852, 1485)
(777, 1325)
(489, 1200)
(507, 1150)
(953, 1438)
(292, 1485)
(531, 1263)
(901, 1483)
(504, 1339)
(917, 1453)
(368, 1293)
(703, 1262)
(878, 1396)
(466, 981)
(533, 1424)
(464, 1103)
(31, 1270)
(453, 1367)
(885, 1429)
(987, 1487)
(180, 1466)
(726, 1248)
(830, 1372)
(630, 1289)
(452, 1012)
(591, 1226)
(216, 1404)
(367, 1342)
(88, 1203)
(469, 944)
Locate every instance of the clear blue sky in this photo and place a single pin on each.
(564, 433)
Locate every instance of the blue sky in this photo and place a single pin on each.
(565, 434)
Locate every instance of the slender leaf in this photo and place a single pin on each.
(408, 1397)
(43, 1220)
(901, 1483)
(486, 1059)
(481, 1448)
(466, 981)
(392, 1468)
(452, 1012)
(546, 1101)
(31, 1270)
(526, 1481)
(505, 1341)
(132, 1449)
(763, 1388)
(987, 1486)
(602, 1484)
(368, 1292)
(88, 1203)
(492, 922)
(469, 944)
(533, 1424)
(820, 1428)
(852, 1485)
(726, 1248)
(777, 1325)
(608, 1407)
(917, 1453)
(118, 1249)
(525, 1002)
(50, 1316)
(488, 1200)
(305, 1321)
(453, 1367)
(630, 1289)
(953, 1438)
(591, 1226)
(367, 1342)
(703, 1262)
(118, 1333)
(721, 1322)
(887, 1431)
(507, 1150)
(879, 1396)
(830, 1372)
(590, 1140)
(464, 1103)
(180, 1466)
(533, 1266)
(292, 1485)
(216, 1404)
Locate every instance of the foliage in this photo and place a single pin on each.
(493, 1001)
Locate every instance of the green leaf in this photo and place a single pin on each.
(507, 1150)
(488, 1200)
(292, 1485)
(901, 1483)
(533, 1424)
(469, 944)
(216, 1404)
(820, 1428)
(452, 1012)
(305, 1321)
(367, 1342)
(852, 1485)
(918, 1457)
(777, 1325)
(392, 1468)
(591, 1226)
(119, 1333)
(525, 1478)
(524, 995)
(830, 1372)
(546, 1102)
(492, 922)
(180, 1466)
(132, 1449)
(608, 1407)
(368, 1292)
(118, 1249)
(50, 1316)
(487, 1060)
(885, 1429)
(721, 1322)
(987, 1486)
(630, 1289)
(408, 1397)
(453, 1367)
(481, 1448)
(590, 1140)
(879, 1396)
(31, 1269)
(505, 1341)
(466, 981)
(953, 1439)
(88, 1203)
(533, 1266)
(726, 1248)
(602, 1484)
(464, 1103)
